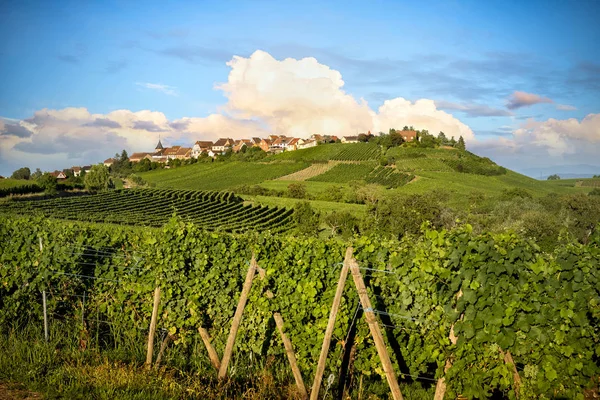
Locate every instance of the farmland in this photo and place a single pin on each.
(152, 207)
(220, 176)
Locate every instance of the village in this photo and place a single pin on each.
(204, 148)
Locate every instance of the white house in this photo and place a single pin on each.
(349, 139)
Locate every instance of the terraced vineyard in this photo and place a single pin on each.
(388, 177)
(343, 173)
(221, 211)
(422, 164)
(358, 152)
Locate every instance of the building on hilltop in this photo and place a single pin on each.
(201, 147)
(349, 139)
(222, 145)
(306, 143)
(109, 161)
(409, 135)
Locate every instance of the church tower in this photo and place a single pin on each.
(159, 146)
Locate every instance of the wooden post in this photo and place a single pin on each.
(289, 350)
(314, 392)
(508, 360)
(45, 315)
(152, 327)
(44, 301)
(163, 347)
(375, 330)
(212, 354)
(440, 387)
(237, 318)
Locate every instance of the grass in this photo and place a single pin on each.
(219, 175)
(331, 151)
(357, 210)
(12, 183)
(63, 368)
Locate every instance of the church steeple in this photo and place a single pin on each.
(159, 146)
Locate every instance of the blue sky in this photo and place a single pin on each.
(469, 57)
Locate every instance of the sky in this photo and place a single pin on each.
(80, 81)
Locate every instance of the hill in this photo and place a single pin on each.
(330, 173)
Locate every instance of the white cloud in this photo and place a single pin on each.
(264, 96)
(166, 89)
(545, 142)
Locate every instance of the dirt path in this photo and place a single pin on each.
(11, 391)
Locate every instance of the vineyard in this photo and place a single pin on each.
(591, 183)
(358, 152)
(452, 305)
(153, 207)
(422, 164)
(343, 173)
(388, 177)
(220, 175)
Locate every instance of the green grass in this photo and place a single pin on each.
(219, 175)
(357, 210)
(460, 186)
(12, 183)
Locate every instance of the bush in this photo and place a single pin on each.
(306, 219)
(98, 179)
(297, 191)
(342, 223)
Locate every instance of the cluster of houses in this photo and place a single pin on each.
(272, 144)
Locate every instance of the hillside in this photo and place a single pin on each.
(328, 169)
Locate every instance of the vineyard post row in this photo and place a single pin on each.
(351, 265)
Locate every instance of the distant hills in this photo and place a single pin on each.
(564, 171)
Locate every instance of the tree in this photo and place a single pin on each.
(48, 182)
(461, 144)
(342, 223)
(554, 177)
(98, 179)
(21, 173)
(306, 218)
(38, 173)
(297, 191)
(442, 138)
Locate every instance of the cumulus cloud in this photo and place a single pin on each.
(17, 130)
(474, 110)
(166, 89)
(295, 97)
(544, 142)
(524, 99)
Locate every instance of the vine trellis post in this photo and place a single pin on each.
(350, 264)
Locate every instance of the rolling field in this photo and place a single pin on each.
(220, 175)
(153, 207)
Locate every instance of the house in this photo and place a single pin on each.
(222, 145)
(408, 136)
(59, 174)
(184, 153)
(201, 147)
(109, 161)
(292, 144)
(86, 168)
(76, 171)
(349, 139)
(306, 143)
(279, 144)
(255, 142)
(237, 147)
(265, 144)
(135, 157)
(317, 138)
(273, 138)
(170, 152)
